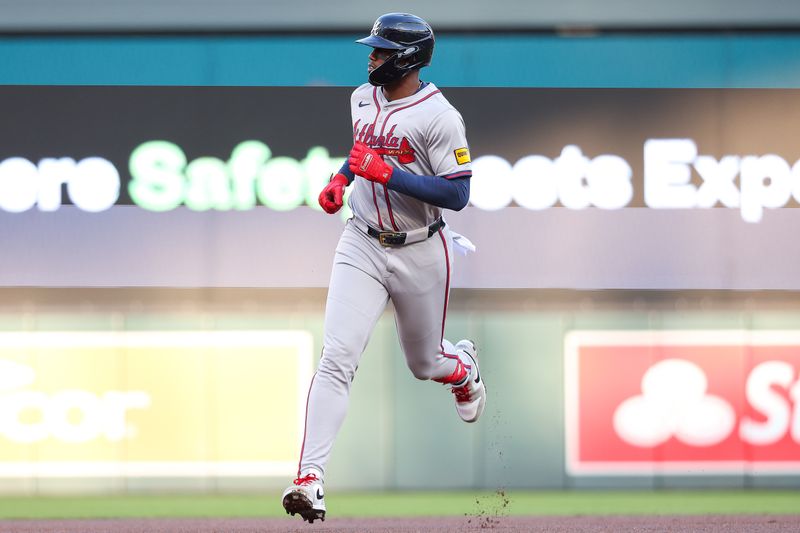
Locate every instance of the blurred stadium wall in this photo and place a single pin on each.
(632, 347)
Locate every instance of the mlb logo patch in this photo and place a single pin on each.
(462, 156)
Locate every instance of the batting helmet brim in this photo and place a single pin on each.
(376, 41)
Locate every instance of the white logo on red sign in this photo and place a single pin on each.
(674, 403)
(682, 401)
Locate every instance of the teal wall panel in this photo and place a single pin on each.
(487, 60)
(524, 426)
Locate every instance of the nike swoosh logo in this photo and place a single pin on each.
(478, 377)
(362, 104)
(320, 496)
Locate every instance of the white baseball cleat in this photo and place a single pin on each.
(471, 396)
(306, 497)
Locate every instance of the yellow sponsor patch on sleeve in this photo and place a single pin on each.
(462, 156)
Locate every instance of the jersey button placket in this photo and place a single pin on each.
(380, 119)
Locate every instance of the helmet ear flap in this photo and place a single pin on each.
(387, 73)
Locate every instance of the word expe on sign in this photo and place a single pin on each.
(688, 402)
(578, 182)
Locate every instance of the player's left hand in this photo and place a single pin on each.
(331, 197)
(366, 162)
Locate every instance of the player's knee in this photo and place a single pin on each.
(336, 368)
(422, 372)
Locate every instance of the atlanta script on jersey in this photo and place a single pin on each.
(422, 134)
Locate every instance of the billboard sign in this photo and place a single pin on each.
(152, 404)
(233, 148)
(682, 402)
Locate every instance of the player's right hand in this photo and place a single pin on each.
(365, 162)
(330, 199)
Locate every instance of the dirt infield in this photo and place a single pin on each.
(589, 524)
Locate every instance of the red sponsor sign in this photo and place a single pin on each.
(690, 402)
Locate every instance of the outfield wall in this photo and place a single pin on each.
(209, 384)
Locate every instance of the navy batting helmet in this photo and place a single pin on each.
(410, 37)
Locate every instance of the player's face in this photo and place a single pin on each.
(377, 57)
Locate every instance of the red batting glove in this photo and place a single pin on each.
(330, 199)
(366, 162)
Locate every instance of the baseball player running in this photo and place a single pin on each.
(410, 161)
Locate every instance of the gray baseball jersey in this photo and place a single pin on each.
(425, 135)
(422, 134)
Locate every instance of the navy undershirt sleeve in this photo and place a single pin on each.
(437, 190)
(345, 170)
